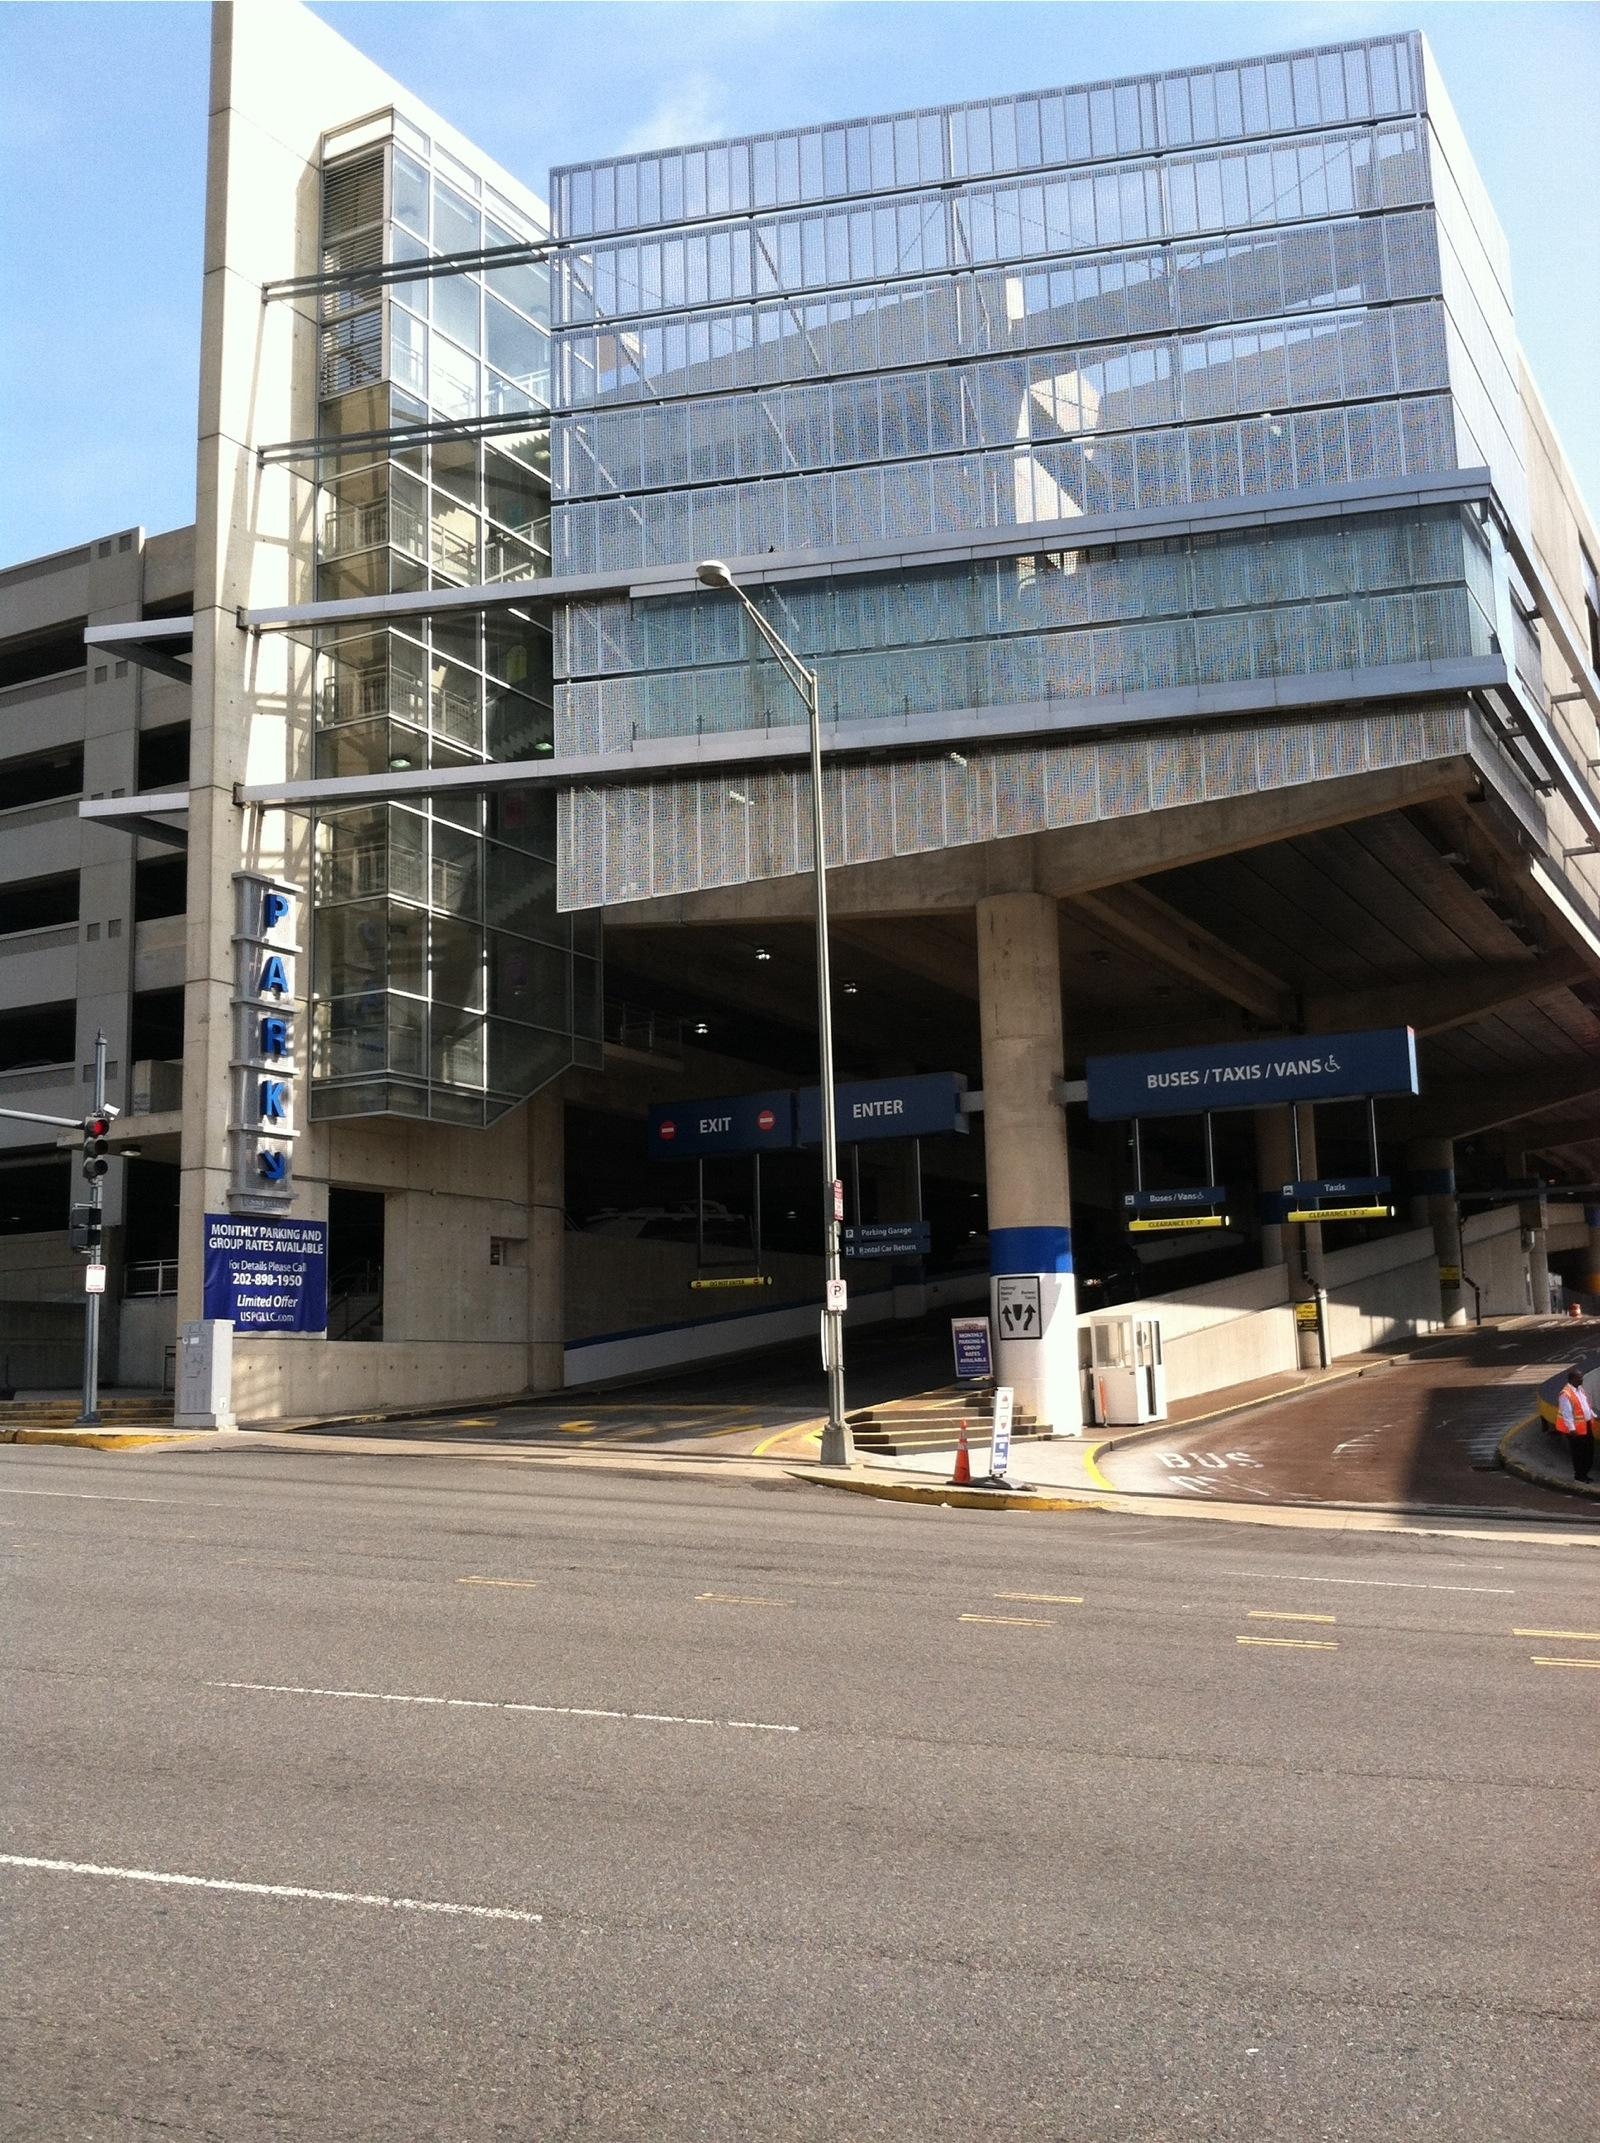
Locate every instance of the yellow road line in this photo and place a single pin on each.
(1092, 1470)
(518, 1584)
(812, 1436)
(1571, 1636)
(1538, 1662)
(739, 1599)
(1275, 1614)
(1045, 1599)
(1010, 1622)
(1294, 1644)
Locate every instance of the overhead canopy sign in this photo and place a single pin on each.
(1247, 1075)
(727, 1123)
(919, 1107)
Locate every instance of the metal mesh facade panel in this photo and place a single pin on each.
(1327, 85)
(1070, 626)
(1190, 289)
(647, 842)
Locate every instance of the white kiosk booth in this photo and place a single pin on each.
(1127, 1377)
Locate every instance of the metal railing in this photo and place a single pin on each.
(150, 1277)
(656, 1034)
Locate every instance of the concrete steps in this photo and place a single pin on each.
(139, 1412)
(931, 1421)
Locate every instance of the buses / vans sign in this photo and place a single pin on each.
(1247, 1075)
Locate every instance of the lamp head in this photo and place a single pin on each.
(712, 573)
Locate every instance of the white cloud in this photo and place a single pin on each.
(694, 108)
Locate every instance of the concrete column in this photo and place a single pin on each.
(1591, 1261)
(1316, 1346)
(1025, 1145)
(1431, 1166)
(547, 1240)
(1274, 1167)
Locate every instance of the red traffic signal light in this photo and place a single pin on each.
(95, 1132)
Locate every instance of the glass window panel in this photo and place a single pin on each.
(455, 308)
(520, 894)
(457, 962)
(455, 469)
(410, 193)
(408, 950)
(457, 715)
(455, 634)
(453, 386)
(515, 347)
(457, 225)
(518, 727)
(456, 1057)
(350, 949)
(525, 285)
(408, 350)
(524, 819)
(527, 981)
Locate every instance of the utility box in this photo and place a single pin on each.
(205, 1375)
(1126, 1372)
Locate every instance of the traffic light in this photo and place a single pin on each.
(96, 1130)
(83, 1229)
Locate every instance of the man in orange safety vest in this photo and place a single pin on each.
(1575, 1421)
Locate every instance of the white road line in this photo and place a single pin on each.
(1392, 1584)
(87, 1495)
(274, 1890)
(548, 1711)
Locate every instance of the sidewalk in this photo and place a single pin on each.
(1537, 1454)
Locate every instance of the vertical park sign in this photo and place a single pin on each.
(268, 1011)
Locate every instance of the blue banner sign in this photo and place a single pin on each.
(889, 1239)
(1246, 1075)
(728, 1123)
(974, 1355)
(266, 1275)
(1199, 1194)
(918, 1107)
(1343, 1187)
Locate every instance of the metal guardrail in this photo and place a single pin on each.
(151, 1277)
(654, 1033)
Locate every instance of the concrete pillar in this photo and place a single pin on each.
(1591, 1260)
(1431, 1167)
(898, 1199)
(1316, 1344)
(1274, 1167)
(1535, 1223)
(547, 1240)
(1534, 1216)
(1033, 1298)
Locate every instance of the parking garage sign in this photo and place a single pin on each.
(726, 1123)
(266, 1275)
(919, 1107)
(1246, 1075)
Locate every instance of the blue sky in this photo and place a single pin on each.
(102, 169)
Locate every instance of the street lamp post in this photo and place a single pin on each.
(837, 1446)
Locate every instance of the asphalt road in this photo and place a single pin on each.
(1418, 1435)
(765, 1812)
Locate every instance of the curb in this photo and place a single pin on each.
(1511, 1463)
(96, 1439)
(966, 1499)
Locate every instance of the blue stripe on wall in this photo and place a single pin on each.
(1030, 1250)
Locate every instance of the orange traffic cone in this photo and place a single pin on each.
(962, 1477)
